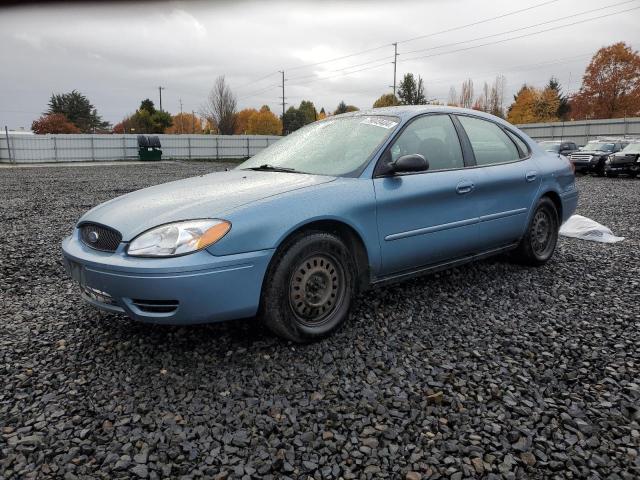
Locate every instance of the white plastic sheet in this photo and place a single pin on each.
(586, 229)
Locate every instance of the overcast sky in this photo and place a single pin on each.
(119, 53)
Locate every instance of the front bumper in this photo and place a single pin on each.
(194, 288)
(623, 168)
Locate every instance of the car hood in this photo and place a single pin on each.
(593, 152)
(206, 196)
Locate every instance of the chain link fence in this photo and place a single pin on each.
(25, 148)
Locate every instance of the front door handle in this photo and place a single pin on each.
(531, 176)
(465, 187)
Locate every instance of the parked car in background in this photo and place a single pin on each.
(626, 161)
(557, 146)
(592, 157)
(293, 233)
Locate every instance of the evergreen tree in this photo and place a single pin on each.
(411, 92)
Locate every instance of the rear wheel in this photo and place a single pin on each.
(308, 289)
(539, 242)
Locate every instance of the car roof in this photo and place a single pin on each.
(406, 112)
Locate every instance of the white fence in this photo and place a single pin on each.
(581, 131)
(20, 148)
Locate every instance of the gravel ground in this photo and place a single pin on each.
(490, 369)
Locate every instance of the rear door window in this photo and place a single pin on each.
(489, 142)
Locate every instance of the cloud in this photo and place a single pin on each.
(119, 53)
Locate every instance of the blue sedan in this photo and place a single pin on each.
(293, 233)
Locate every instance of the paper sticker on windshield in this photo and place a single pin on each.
(379, 122)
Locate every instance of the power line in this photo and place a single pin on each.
(479, 22)
(257, 80)
(368, 50)
(521, 36)
(518, 29)
(386, 59)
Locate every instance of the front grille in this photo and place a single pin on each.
(99, 237)
(156, 306)
(585, 157)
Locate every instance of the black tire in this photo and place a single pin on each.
(600, 169)
(539, 242)
(308, 287)
(633, 174)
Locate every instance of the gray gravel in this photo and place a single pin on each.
(490, 369)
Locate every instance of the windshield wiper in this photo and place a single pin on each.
(272, 168)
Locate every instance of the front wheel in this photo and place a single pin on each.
(539, 242)
(308, 288)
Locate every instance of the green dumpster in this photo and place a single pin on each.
(149, 148)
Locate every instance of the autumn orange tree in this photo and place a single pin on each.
(185, 123)
(53, 123)
(386, 100)
(264, 122)
(242, 121)
(610, 85)
(535, 105)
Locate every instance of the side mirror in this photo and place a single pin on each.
(409, 163)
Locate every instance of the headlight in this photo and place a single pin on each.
(178, 238)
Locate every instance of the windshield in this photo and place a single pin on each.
(336, 146)
(600, 146)
(632, 148)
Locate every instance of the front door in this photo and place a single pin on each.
(428, 217)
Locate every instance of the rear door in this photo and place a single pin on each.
(507, 181)
(426, 217)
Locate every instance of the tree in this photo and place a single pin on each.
(78, 110)
(322, 115)
(563, 108)
(221, 107)
(495, 101)
(242, 120)
(310, 113)
(523, 108)
(53, 123)
(342, 108)
(491, 99)
(293, 120)
(264, 122)
(352, 108)
(452, 100)
(146, 120)
(386, 100)
(411, 92)
(185, 123)
(148, 106)
(466, 94)
(534, 105)
(610, 85)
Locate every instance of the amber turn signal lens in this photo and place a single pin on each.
(213, 234)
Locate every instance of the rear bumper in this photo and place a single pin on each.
(195, 288)
(569, 204)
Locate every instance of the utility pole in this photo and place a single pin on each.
(181, 117)
(160, 90)
(395, 65)
(282, 72)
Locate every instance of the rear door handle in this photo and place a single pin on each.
(465, 187)
(531, 176)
